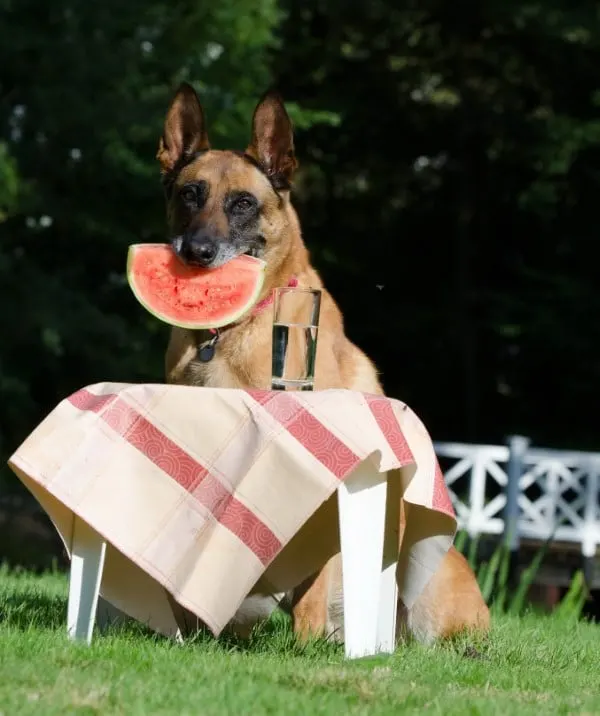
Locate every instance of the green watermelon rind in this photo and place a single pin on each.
(231, 317)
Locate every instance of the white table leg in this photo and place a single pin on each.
(362, 502)
(87, 562)
(388, 608)
(388, 601)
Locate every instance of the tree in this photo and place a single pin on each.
(84, 89)
(453, 209)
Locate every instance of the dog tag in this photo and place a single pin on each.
(206, 352)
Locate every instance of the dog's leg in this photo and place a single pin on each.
(451, 603)
(254, 609)
(180, 352)
(309, 606)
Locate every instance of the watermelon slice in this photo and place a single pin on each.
(191, 297)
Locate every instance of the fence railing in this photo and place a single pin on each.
(524, 492)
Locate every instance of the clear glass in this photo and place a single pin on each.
(295, 333)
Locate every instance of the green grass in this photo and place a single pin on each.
(530, 665)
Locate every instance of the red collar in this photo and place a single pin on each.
(266, 302)
(261, 305)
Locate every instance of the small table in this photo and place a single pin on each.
(204, 492)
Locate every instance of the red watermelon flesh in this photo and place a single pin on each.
(191, 297)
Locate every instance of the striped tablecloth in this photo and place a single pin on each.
(214, 494)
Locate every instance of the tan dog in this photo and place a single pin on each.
(221, 204)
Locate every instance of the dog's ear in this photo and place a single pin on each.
(272, 143)
(185, 129)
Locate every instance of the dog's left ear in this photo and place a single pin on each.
(272, 143)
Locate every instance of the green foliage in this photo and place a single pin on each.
(493, 577)
(574, 600)
(83, 93)
(448, 191)
(453, 209)
(9, 183)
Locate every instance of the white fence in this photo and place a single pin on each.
(524, 492)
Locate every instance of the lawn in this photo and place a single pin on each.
(530, 665)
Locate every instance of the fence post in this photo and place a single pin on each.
(590, 536)
(517, 448)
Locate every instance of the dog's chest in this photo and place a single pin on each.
(239, 364)
(216, 373)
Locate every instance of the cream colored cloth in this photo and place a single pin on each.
(211, 494)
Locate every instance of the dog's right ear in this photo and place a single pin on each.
(184, 133)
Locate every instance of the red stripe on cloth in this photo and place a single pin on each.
(318, 440)
(388, 424)
(185, 470)
(154, 444)
(84, 400)
(261, 396)
(441, 497)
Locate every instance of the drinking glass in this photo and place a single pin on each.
(295, 330)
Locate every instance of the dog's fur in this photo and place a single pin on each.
(221, 204)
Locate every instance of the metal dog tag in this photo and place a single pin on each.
(206, 352)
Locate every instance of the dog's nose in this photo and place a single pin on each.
(204, 252)
(199, 251)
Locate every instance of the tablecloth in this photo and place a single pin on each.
(214, 494)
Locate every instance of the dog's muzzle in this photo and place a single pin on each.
(207, 250)
(197, 249)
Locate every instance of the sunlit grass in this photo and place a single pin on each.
(530, 664)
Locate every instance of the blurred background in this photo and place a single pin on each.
(449, 192)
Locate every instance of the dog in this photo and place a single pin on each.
(222, 204)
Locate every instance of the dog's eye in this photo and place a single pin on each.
(188, 194)
(243, 205)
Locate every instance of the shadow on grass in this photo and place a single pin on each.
(468, 645)
(24, 606)
(273, 636)
(25, 611)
